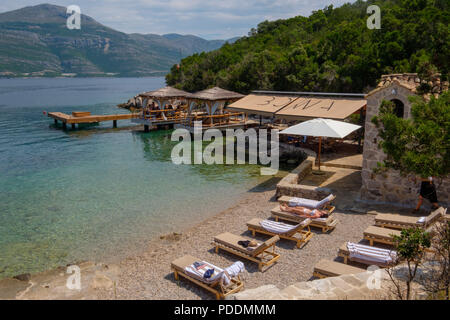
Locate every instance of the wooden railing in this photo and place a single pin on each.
(158, 115)
(216, 119)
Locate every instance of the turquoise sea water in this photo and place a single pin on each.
(95, 193)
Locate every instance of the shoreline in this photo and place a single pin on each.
(137, 250)
(174, 235)
(158, 242)
(147, 274)
(140, 249)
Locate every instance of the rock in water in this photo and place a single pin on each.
(23, 277)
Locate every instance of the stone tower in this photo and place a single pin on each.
(391, 187)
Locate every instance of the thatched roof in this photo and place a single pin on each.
(166, 92)
(215, 94)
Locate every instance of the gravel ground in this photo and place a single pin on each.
(148, 275)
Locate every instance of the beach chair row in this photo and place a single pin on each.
(382, 233)
(264, 254)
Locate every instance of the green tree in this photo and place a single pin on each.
(419, 145)
(438, 282)
(331, 50)
(411, 247)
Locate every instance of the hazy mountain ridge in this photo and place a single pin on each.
(35, 41)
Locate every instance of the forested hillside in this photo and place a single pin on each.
(331, 50)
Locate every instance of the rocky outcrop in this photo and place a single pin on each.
(133, 103)
(52, 284)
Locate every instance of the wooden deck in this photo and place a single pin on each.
(86, 117)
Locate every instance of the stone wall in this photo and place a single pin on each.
(290, 185)
(361, 286)
(390, 187)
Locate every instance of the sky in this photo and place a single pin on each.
(210, 19)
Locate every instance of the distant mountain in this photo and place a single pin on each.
(34, 41)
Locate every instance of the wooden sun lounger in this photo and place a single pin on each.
(401, 222)
(285, 200)
(261, 254)
(380, 235)
(385, 235)
(326, 224)
(178, 266)
(445, 218)
(303, 230)
(345, 253)
(327, 268)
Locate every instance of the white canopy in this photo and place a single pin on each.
(322, 128)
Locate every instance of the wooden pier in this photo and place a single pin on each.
(86, 117)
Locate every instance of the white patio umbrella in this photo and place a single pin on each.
(321, 128)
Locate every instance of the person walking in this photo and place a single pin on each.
(427, 191)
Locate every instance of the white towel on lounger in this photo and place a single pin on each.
(233, 271)
(224, 276)
(280, 227)
(308, 203)
(199, 273)
(369, 254)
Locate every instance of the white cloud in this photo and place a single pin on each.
(207, 18)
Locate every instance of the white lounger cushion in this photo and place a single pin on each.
(370, 254)
(308, 203)
(280, 227)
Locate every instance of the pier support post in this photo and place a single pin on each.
(64, 125)
(146, 128)
(56, 122)
(114, 123)
(73, 125)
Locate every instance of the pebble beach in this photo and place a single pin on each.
(148, 275)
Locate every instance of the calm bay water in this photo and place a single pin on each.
(95, 193)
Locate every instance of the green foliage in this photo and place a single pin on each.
(410, 247)
(419, 145)
(411, 244)
(331, 50)
(439, 284)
